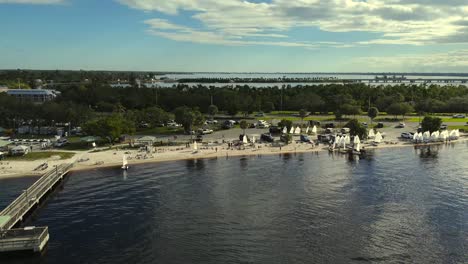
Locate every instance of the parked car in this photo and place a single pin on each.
(314, 123)
(305, 138)
(329, 130)
(401, 125)
(212, 122)
(260, 114)
(275, 130)
(459, 116)
(205, 131)
(251, 125)
(345, 130)
(267, 137)
(443, 127)
(227, 125)
(380, 125)
(407, 135)
(285, 138)
(330, 125)
(61, 142)
(364, 124)
(199, 138)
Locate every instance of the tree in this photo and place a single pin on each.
(110, 127)
(268, 107)
(356, 128)
(285, 123)
(188, 117)
(302, 113)
(373, 113)
(243, 125)
(399, 109)
(212, 110)
(431, 124)
(348, 109)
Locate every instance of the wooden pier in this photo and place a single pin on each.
(28, 238)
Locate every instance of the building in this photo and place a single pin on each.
(19, 150)
(36, 95)
(146, 141)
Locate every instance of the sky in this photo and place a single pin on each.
(235, 35)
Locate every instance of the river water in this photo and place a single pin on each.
(399, 205)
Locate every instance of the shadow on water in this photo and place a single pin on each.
(428, 153)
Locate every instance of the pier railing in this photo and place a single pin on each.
(23, 239)
(31, 196)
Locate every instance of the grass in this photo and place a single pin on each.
(32, 156)
(458, 127)
(444, 119)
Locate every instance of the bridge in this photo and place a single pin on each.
(28, 238)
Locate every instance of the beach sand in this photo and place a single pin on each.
(84, 160)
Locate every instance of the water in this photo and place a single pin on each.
(399, 206)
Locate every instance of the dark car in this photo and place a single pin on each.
(305, 138)
(330, 125)
(275, 130)
(227, 125)
(380, 125)
(285, 138)
(267, 137)
(314, 123)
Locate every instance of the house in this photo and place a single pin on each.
(33, 95)
(146, 141)
(19, 150)
(4, 145)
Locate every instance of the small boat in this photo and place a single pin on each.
(124, 163)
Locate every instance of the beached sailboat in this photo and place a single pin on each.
(297, 131)
(371, 133)
(253, 139)
(291, 131)
(244, 139)
(314, 129)
(378, 138)
(195, 147)
(307, 130)
(124, 163)
(285, 130)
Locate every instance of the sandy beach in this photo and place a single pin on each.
(84, 160)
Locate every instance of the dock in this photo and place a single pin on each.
(28, 238)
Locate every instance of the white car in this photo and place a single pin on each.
(205, 131)
(407, 135)
(173, 124)
(212, 122)
(459, 116)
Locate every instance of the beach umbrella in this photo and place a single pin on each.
(314, 130)
(195, 146)
(285, 130)
(244, 139)
(307, 130)
(378, 138)
(297, 131)
(371, 133)
(356, 140)
(292, 130)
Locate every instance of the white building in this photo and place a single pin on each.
(33, 95)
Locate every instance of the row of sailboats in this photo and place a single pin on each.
(297, 130)
(436, 136)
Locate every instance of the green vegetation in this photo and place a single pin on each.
(41, 155)
(243, 125)
(373, 113)
(356, 128)
(431, 124)
(189, 118)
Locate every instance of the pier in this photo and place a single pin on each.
(28, 238)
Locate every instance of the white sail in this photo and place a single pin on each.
(291, 131)
(347, 139)
(244, 139)
(356, 140)
(426, 135)
(371, 133)
(124, 161)
(253, 139)
(378, 138)
(285, 130)
(297, 131)
(415, 137)
(195, 146)
(358, 147)
(307, 130)
(314, 130)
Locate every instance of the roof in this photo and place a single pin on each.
(147, 138)
(31, 92)
(20, 147)
(4, 143)
(90, 139)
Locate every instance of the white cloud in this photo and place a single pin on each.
(33, 2)
(413, 22)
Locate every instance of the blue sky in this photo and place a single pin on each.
(235, 35)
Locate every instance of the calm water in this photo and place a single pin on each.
(399, 206)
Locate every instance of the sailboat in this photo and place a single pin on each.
(378, 138)
(314, 130)
(124, 163)
(195, 147)
(292, 130)
(244, 139)
(307, 130)
(371, 133)
(285, 130)
(297, 131)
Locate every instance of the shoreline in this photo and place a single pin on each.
(113, 158)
